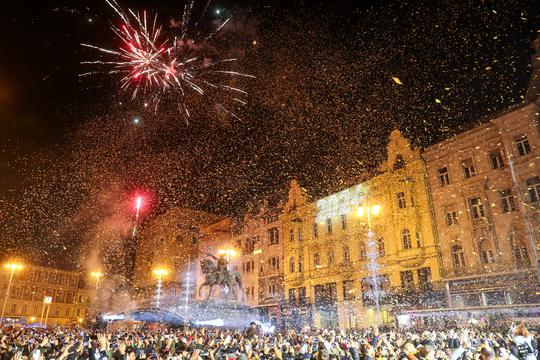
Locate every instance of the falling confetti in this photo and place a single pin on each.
(397, 80)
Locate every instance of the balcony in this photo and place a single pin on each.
(411, 257)
(296, 279)
(346, 266)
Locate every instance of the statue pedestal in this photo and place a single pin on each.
(221, 313)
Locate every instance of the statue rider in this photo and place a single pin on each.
(221, 268)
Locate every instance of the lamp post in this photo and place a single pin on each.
(186, 290)
(47, 301)
(373, 254)
(159, 272)
(228, 253)
(12, 267)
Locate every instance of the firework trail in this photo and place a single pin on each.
(159, 64)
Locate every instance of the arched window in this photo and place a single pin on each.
(346, 254)
(316, 260)
(380, 247)
(330, 257)
(521, 255)
(486, 254)
(363, 251)
(316, 257)
(291, 264)
(300, 264)
(406, 239)
(458, 257)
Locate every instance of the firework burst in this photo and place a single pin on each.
(159, 65)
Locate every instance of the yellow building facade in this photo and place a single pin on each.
(329, 253)
(32, 284)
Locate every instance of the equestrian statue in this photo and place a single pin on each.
(218, 274)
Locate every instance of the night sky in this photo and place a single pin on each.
(320, 109)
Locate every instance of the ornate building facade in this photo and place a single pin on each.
(485, 185)
(69, 300)
(258, 239)
(329, 269)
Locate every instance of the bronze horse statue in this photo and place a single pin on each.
(225, 278)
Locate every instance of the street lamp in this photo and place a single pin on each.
(160, 273)
(12, 267)
(96, 274)
(373, 254)
(228, 253)
(47, 301)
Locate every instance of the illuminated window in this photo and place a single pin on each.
(406, 239)
(508, 202)
(468, 168)
(522, 145)
(496, 159)
(444, 177)
(401, 200)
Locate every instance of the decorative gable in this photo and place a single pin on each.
(399, 152)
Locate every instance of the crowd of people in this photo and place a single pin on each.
(514, 342)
